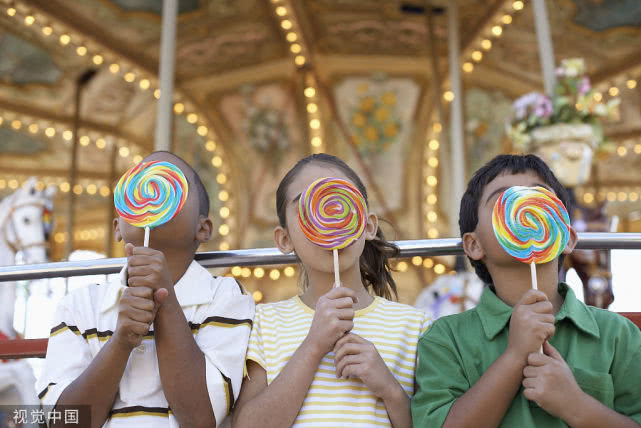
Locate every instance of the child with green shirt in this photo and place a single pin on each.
(483, 367)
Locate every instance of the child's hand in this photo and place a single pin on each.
(147, 267)
(136, 312)
(550, 383)
(358, 358)
(333, 318)
(531, 324)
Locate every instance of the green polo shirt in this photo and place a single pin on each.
(602, 348)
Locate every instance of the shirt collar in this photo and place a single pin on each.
(577, 312)
(495, 313)
(191, 289)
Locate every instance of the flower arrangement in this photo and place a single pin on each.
(574, 102)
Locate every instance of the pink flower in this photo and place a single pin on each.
(584, 86)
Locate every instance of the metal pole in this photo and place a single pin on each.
(457, 151)
(109, 236)
(272, 256)
(546, 52)
(164, 115)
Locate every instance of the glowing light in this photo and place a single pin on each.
(223, 195)
(281, 11)
(432, 233)
(105, 191)
(124, 151)
(317, 141)
(192, 118)
(506, 19)
(77, 189)
(64, 187)
(224, 212)
(588, 198)
(179, 108)
(257, 295)
(613, 91)
(477, 56)
(631, 84)
(417, 260)
(622, 151)
(439, 269)
(274, 274)
(468, 67)
(210, 145)
(47, 30)
(286, 24)
(98, 59)
(431, 199)
(81, 51)
(33, 128)
(295, 48)
(310, 92)
(91, 189)
(312, 108)
(497, 30)
(216, 161)
(448, 96)
(223, 229)
(29, 20)
(314, 123)
(114, 68)
(11, 11)
(50, 132)
(101, 143)
(67, 135)
(402, 266)
(517, 5)
(259, 272)
(64, 39)
(428, 263)
(300, 60)
(221, 178)
(291, 37)
(236, 270)
(289, 271)
(84, 140)
(434, 144)
(129, 77)
(144, 84)
(16, 124)
(202, 130)
(486, 44)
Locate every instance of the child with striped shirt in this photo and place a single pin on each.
(331, 357)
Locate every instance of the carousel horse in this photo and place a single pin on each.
(451, 294)
(25, 225)
(592, 266)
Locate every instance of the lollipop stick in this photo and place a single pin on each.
(533, 272)
(536, 287)
(337, 275)
(146, 244)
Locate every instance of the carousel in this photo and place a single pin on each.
(414, 95)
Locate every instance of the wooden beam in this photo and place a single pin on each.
(629, 63)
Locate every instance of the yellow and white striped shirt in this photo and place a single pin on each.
(279, 329)
(218, 312)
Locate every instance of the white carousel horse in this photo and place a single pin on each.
(25, 222)
(450, 294)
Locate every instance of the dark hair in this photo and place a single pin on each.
(203, 196)
(503, 164)
(376, 272)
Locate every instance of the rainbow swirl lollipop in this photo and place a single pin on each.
(332, 213)
(150, 194)
(531, 224)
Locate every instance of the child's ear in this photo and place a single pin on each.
(574, 237)
(472, 246)
(372, 227)
(116, 225)
(283, 242)
(205, 227)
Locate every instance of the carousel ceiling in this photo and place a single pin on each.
(261, 83)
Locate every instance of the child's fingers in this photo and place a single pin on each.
(345, 339)
(139, 315)
(139, 270)
(129, 250)
(345, 314)
(529, 382)
(145, 251)
(141, 260)
(544, 307)
(141, 281)
(343, 302)
(551, 351)
(348, 349)
(143, 292)
(140, 303)
(346, 326)
(533, 296)
(530, 371)
(344, 362)
(160, 295)
(537, 359)
(352, 371)
(339, 292)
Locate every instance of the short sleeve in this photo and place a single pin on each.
(626, 375)
(255, 351)
(427, 322)
(440, 378)
(68, 355)
(222, 337)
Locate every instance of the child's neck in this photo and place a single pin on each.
(512, 282)
(319, 283)
(178, 261)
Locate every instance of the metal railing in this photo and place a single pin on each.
(272, 256)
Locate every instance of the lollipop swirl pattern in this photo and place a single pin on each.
(150, 194)
(531, 224)
(332, 213)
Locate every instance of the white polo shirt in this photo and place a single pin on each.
(219, 313)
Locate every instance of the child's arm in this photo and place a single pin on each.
(357, 357)
(181, 363)
(278, 404)
(99, 382)
(550, 383)
(485, 403)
